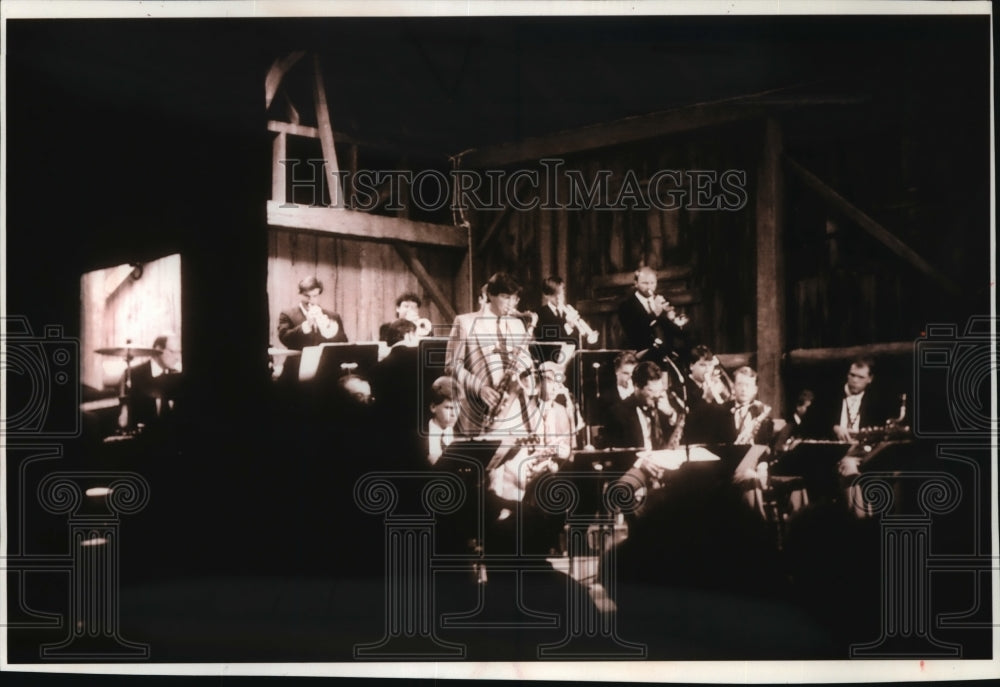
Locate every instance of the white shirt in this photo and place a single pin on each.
(438, 438)
(647, 303)
(850, 411)
(647, 442)
(626, 391)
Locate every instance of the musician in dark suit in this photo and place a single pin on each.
(308, 324)
(487, 351)
(648, 321)
(646, 419)
(153, 387)
(395, 382)
(407, 308)
(704, 394)
(745, 419)
(857, 406)
(558, 321)
(796, 423)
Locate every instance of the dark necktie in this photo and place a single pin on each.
(502, 346)
(655, 431)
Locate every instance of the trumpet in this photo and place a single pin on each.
(573, 318)
(718, 383)
(424, 326)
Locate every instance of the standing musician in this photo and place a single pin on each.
(489, 358)
(558, 321)
(308, 324)
(649, 323)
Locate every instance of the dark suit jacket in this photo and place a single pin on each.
(727, 432)
(552, 327)
(290, 330)
(625, 431)
(643, 331)
(395, 385)
(820, 419)
(705, 421)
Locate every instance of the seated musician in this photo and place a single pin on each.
(444, 414)
(153, 385)
(623, 389)
(407, 308)
(749, 420)
(795, 425)
(395, 381)
(705, 393)
(558, 321)
(645, 419)
(559, 420)
(842, 418)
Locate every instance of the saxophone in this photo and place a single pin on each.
(748, 432)
(675, 436)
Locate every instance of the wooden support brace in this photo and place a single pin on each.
(409, 256)
(364, 225)
(876, 230)
(326, 134)
(495, 224)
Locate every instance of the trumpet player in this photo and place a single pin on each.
(650, 324)
(488, 356)
(308, 324)
(407, 308)
(559, 321)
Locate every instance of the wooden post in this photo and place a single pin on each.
(770, 270)
(325, 129)
(278, 183)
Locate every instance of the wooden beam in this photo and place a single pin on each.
(294, 129)
(279, 152)
(668, 273)
(495, 224)
(276, 74)
(770, 268)
(338, 221)
(800, 356)
(615, 133)
(876, 230)
(326, 134)
(429, 284)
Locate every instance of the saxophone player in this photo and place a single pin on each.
(488, 356)
(749, 420)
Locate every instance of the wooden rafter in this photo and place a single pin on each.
(642, 127)
(409, 256)
(342, 222)
(876, 230)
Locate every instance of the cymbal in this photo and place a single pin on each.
(282, 352)
(127, 351)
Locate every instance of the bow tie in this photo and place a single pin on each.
(740, 409)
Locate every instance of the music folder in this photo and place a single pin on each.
(331, 361)
(462, 454)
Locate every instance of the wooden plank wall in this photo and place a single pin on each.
(361, 279)
(583, 244)
(117, 307)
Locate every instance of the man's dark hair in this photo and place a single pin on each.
(442, 389)
(865, 361)
(310, 283)
(409, 296)
(701, 352)
(398, 330)
(645, 372)
(551, 285)
(501, 282)
(625, 358)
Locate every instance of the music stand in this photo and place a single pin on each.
(596, 370)
(326, 363)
